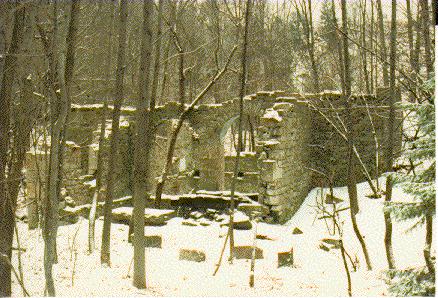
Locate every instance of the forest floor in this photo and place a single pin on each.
(316, 272)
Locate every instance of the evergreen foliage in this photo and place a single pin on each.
(419, 182)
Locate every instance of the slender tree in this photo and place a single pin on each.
(7, 206)
(100, 154)
(351, 181)
(59, 112)
(157, 54)
(410, 28)
(143, 146)
(240, 125)
(118, 101)
(382, 43)
(364, 53)
(305, 15)
(391, 137)
(425, 16)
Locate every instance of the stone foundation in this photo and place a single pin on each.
(291, 139)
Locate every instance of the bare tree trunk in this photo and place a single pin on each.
(24, 113)
(426, 35)
(143, 145)
(65, 75)
(21, 138)
(240, 123)
(351, 183)
(251, 134)
(315, 73)
(371, 41)
(157, 55)
(7, 206)
(181, 78)
(120, 72)
(304, 11)
(376, 147)
(339, 47)
(417, 49)
(344, 261)
(3, 14)
(390, 145)
(428, 245)
(382, 43)
(410, 31)
(253, 256)
(363, 52)
(411, 45)
(434, 13)
(165, 74)
(99, 171)
(165, 78)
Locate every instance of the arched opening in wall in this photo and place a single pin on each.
(230, 132)
(248, 169)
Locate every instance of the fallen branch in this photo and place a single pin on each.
(218, 264)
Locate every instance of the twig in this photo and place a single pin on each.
(253, 256)
(218, 264)
(74, 251)
(129, 268)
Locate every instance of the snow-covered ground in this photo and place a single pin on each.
(316, 272)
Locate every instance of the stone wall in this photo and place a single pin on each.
(284, 157)
(291, 140)
(328, 149)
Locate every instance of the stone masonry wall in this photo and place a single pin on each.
(283, 139)
(291, 139)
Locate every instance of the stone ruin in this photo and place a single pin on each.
(290, 140)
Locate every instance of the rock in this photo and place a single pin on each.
(245, 252)
(323, 247)
(220, 218)
(272, 115)
(329, 199)
(210, 211)
(82, 210)
(122, 214)
(240, 222)
(191, 255)
(253, 208)
(202, 201)
(269, 220)
(263, 237)
(335, 243)
(158, 217)
(63, 192)
(153, 217)
(210, 214)
(190, 222)
(196, 215)
(204, 222)
(297, 231)
(286, 258)
(153, 241)
(149, 240)
(69, 201)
